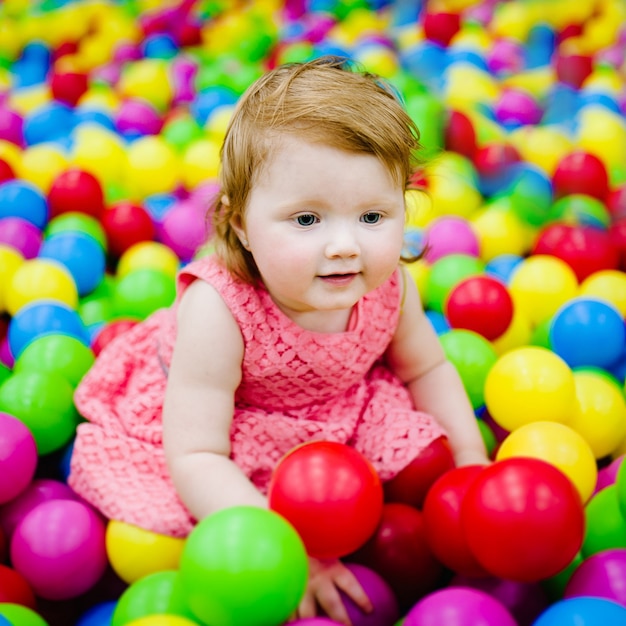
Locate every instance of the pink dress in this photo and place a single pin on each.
(297, 386)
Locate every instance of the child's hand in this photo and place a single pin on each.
(471, 457)
(326, 578)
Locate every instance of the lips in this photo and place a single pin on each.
(339, 279)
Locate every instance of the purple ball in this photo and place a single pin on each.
(18, 457)
(136, 118)
(450, 235)
(459, 606)
(22, 235)
(184, 229)
(11, 126)
(602, 575)
(516, 107)
(608, 475)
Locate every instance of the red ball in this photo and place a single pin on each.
(493, 160)
(523, 519)
(572, 69)
(580, 172)
(460, 135)
(482, 304)
(15, 589)
(442, 520)
(68, 86)
(6, 171)
(616, 202)
(400, 553)
(411, 485)
(440, 27)
(109, 332)
(584, 248)
(330, 493)
(617, 236)
(126, 224)
(76, 191)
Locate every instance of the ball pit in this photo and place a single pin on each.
(111, 118)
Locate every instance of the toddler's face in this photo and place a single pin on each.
(324, 226)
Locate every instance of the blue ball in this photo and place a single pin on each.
(588, 332)
(582, 611)
(49, 122)
(159, 46)
(99, 615)
(81, 254)
(42, 317)
(438, 321)
(502, 266)
(208, 100)
(19, 198)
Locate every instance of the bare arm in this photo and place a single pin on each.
(199, 402)
(417, 357)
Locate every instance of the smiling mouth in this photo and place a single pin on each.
(339, 278)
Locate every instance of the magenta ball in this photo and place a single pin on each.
(184, 229)
(22, 235)
(136, 118)
(383, 599)
(525, 601)
(459, 606)
(602, 575)
(517, 108)
(11, 126)
(38, 491)
(59, 548)
(18, 457)
(6, 356)
(607, 475)
(450, 235)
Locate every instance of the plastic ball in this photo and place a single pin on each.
(162, 620)
(19, 614)
(581, 210)
(442, 521)
(559, 445)
(153, 166)
(125, 224)
(76, 191)
(134, 552)
(607, 285)
(136, 118)
(588, 332)
(530, 384)
(77, 222)
(583, 611)
(243, 565)
(19, 198)
(460, 606)
(59, 548)
(44, 403)
(21, 235)
(600, 415)
(50, 121)
(148, 255)
(333, 514)
(56, 352)
(605, 523)
(153, 594)
(447, 235)
(201, 160)
(516, 107)
(185, 229)
(40, 279)
(601, 575)
(18, 457)
(500, 231)
(41, 164)
(14, 588)
(459, 134)
(399, 551)
(481, 304)
(523, 519)
(581, 172)
(11, 126)
(495, 163)
(68, 86)
(6, 171)
(45, 316)
(81, 254)
(98, 615)
(473, 356)
(143, 291)
(540, 285)
(38, 491)
(585, 249)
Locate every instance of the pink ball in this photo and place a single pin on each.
(6, 356)
(460, 606)
(136, 117)
(184, 229)
(608, 475)
(11, 126)
(506, 57)
(38, 491)
(516, 107)
(450, 235)
(22, 235)
(602, 575)
(59, 548)
(18, 457)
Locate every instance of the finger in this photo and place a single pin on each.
(306, 608)
(349, 584)
(331, 603)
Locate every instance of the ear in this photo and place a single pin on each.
(236, 224)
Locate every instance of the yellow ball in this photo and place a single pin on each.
(162, 620)
(602, 133)
(601, 412)
(40, 279)
(148, 79)
(152, 167)
(41, 164)
(559, 445)
(10, 261)
(453, 195)
(609, 285)
(419, 208)
(465, 84)
(540, 284)
(499, 231)
(148, 255)
(544, 146)
(134, 552)
(517, 335)
(529, 384)
(100, 152)
(200, 163)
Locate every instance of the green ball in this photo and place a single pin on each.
(44, 402)
(154, 594)
(181, 131)
(19, 615)
(243, 565)
(605, 526)
(143, 291)
(63, 354)
(473, 356)
(582, 210)
(80, 222)
(444, 274)
(488, 436)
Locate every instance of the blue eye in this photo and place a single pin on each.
(306, 219)
(371, 218)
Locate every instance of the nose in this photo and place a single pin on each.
(342, 242)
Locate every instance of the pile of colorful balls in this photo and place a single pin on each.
(112, 113)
